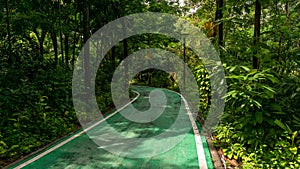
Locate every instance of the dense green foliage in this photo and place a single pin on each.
(260, 124)
(41, 39)
(39, 44)
(36, 108)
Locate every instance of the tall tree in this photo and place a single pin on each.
(8, 24)
(86, 32)
(54, 43)
(41, 39)
(255, 60)
(60, 32)
(218, 18)
(75, 30)
(66, 48)
(11, 58)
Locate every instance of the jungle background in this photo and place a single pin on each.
(258, 42)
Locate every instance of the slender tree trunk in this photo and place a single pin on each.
(255, 61)
(54, 42)
(67, 49)
(287, 13)
(53, 34)
(61, 46)
(74, 36)
(113, 56)
(125, 45)
(125, 54)
(125, 42)
(74, 48)
(41, 39)
(11, 59)
(60, 33)
(86, 59)
(219, 17)
(8, 23)
(149, 63)
(281, 34)
(149, 77)
(41, 44)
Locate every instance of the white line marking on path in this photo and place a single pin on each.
(199, 144)
(74, 136)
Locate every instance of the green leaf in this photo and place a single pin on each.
(272, 78)
(281, 125)
(259, 117)
(293, 95)
(269, 89)
(245, 68)
(276, 107)
(14, 147)
(257, 104)
(232, 69)
(294, 136)
(16, 125)
(293, 150)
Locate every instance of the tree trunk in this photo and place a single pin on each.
(41, 39)
(8, 23)
(125, 45)
(61, 46)
(281, 34)
(74, 36)
(67, 49)
(41, 44)
(149, 77)
(113, 56)
(287, 14)
(149, 63)
(86, 59)
(255, 61)
(125, 54)
(54, 42)
(60, 34)
(11, 59)
(218, 18)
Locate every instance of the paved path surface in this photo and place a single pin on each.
(79, 151)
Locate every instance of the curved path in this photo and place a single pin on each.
(79, 151)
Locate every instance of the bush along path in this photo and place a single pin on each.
(80, 151)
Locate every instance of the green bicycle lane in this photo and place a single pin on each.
(80, 151)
